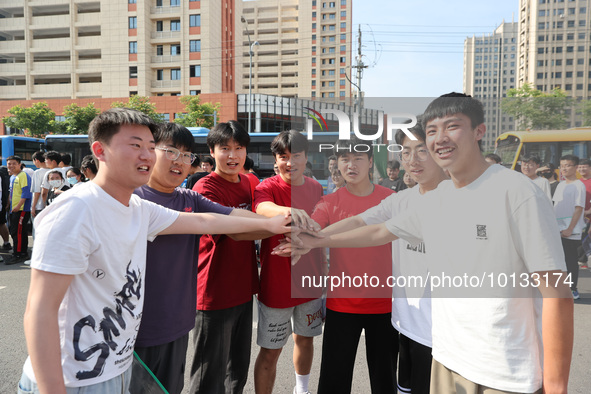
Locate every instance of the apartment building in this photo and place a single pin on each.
(555, 47)
(490, 65)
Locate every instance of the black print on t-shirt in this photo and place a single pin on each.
(112, 319)
(481, 231)
(416, 248)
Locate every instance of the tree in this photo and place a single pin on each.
(143, 104)
(78, 118)
(197, 114)
(38, 119)
(585, 108)
(537, 110)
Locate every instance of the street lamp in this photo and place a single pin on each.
(250, 53)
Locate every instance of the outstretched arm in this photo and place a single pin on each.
(46, 293)
(249, 236)
(299, 217)
(212, 223)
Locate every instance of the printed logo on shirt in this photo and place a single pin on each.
(481, 231)
(188, 209)
(99, 274)
(416, 248)
(312, 317)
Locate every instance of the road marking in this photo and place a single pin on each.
(2, 287)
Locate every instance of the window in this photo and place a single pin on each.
(313, 14)
(175, 74)
(343, 59)
(569, 62)
(583, 10)
(313, 72)
(580, 61)
(194, 20)
(343, 2)
(166, 115)
(542, 13)
(570, 36)
(343, 25)
(133, 22)
(175, 49)
(331, 39)
(331, 94)
(332, 4)
(569, 74)
(342, 71)
(158, 3)
(580, 74)
(342, 94)
(343, 36)
(330, 50)
(160, 75)
(331, 83)
(159, 26)
(570, 24)
(175, 3)
(195, 46)
(572, 11)
(331, 27)
(343, 48)
(579, 86)
(559, 49)
(569, 49)
(194, 92)
(330, 72)
(133, 72)
(159, 50)
(582, 23)
(342, 82)
(195, 71)
(131, 1)
(132, 46)
(558, 74)
(332, 16)
(175, 25)
(313, 82)
(343, 14)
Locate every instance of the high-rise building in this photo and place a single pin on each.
(555, 47)
(489, 71)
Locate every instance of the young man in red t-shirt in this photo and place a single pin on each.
(350, 310)
(282, 296)
(227, 274)
(584, 169)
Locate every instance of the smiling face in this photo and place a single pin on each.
(568, 169)
(169, 174)
(529, 169)
(229, 159)
(354, 167)
(205, 166)
(291, 167)
(425, 172)
(453, 142)
(127, 160)
(14, 167)
(392, 173)
(585, 171)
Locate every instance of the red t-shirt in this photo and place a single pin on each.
(254, 182)
(281, 283)
(356, 262)
(587, 183)
(227, 270)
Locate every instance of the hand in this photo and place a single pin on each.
(279, 224)
(33, 213)
(287, 249)
(566, 233)
(301, 219)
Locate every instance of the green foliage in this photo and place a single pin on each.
(536, 110)
(38, 119)
(585, 108)
(78, 118)
(143, 104)
(197, 114)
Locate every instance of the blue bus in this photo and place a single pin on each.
(21, 146)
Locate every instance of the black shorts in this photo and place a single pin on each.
(3, 216)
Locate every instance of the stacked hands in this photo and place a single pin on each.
(303, 237)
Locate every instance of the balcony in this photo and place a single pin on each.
(52, 90)
(12, 69)
(50, 22)
(166, 59)
(166, 84)
(165, 10)
(166, 35)
(91, 42)
(16, 46)
(10, 24)
(48, 44)
(12, 3)
(89, 19)
(59, 67)
(85, 66)
(13, 92)
(89, 89)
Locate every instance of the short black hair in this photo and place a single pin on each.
(197, 162)
(531, 158)
(66, 159)
(455, 103)
(39, 155)
(178, 135)
(291, 141)
(105, 125)
(248, 163)
(342, 147)
(14, 157)
(585, 162)
(393, 165)
(89, 163)
(418, 131)
(224, 132)
(208, 159)
(53, 155)
(55, 172)
(77, 172)
(572, 158)
(497, 159)
(332, 157)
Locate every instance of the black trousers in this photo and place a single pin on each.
(167, 363)
(339, 348)
(18, 231)
(414, 367)
(570, 255)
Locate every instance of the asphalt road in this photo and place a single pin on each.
(14, 284)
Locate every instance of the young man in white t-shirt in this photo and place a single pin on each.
(569, 204)
(529, 168)
(485, 221)
(86, 297)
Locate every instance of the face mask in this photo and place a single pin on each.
(55, 183)
(72, 181)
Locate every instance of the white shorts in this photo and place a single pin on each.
(275, 324)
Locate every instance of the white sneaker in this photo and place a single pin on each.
(28, 262)
(296, 392)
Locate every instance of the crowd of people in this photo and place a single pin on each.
(112, 291)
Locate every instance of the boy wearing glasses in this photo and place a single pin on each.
(228, 275)
(569, 204)
(529, 168)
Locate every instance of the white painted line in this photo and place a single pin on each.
(2, 287)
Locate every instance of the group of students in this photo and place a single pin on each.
(113, 291)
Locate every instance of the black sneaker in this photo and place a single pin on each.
(7, 246)
(15, 260)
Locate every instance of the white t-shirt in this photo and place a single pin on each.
(543, 184)
(411, 304)
(37, 179)
(498, 225)
(566, 197)
(89, 234)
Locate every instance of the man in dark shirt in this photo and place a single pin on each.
(393, 181)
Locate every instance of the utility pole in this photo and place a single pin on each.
(359, 66)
